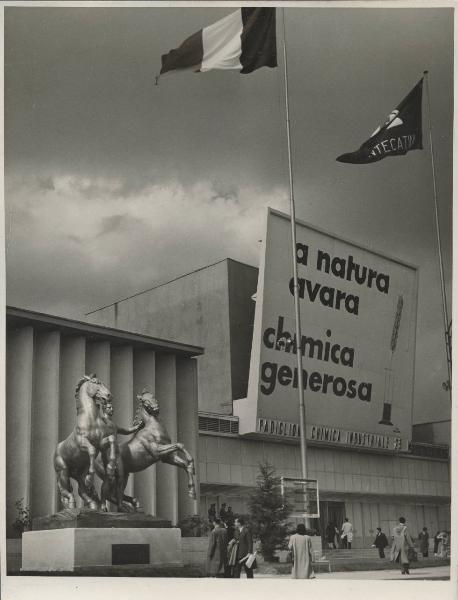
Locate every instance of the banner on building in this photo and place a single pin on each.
(302, 496)
(358, 314)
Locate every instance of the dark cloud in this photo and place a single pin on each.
(118, 224)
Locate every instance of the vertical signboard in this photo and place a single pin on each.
(358, 312)
(302, 496)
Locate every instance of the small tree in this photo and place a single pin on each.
(268, 512)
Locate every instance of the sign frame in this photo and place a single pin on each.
(313, 487)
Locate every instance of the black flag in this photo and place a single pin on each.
(400, 133)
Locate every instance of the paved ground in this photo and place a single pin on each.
(423, 573)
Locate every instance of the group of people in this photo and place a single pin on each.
(231, 545)
(442, 544)
(403, 547)
(227, 556)
(339, 538)
(441, 541)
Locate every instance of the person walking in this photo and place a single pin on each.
(330, 533)
(217, 550)
(380, 542)
(402, 541)
(244, 549)
(423, 539)
(347, 534)
(300, 546)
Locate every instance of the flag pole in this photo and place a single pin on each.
(300, 384)
(447, 324)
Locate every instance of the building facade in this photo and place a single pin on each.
(46, 357)
(372, 486)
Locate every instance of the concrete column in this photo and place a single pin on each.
(121, 386)
(167, 475)
(19, 369)
(45, 422)
(188, 430)
(98, 362)
(144, 377)
(72, 369)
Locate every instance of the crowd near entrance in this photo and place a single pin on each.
(332, 515)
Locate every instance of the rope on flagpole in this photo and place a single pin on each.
(447, 324)
(300, 384)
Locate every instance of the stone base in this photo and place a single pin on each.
(71, 548)
(76, 518)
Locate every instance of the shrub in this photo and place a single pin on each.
(23, 521)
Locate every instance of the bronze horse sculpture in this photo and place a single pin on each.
(75, 456)
(150, 444)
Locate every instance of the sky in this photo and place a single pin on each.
(114, 185)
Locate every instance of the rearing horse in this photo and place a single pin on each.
(75, 456)
(149, 445)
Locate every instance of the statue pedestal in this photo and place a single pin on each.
(71, 548)
(75, 539)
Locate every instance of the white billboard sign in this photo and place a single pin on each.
(358, 315)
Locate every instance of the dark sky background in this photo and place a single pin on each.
(114, 185)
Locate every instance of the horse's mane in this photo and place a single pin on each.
(79, 384)
(84, 379)
(137, 417)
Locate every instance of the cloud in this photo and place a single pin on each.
(74, 255)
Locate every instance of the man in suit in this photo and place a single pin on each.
(380, 542)
(245, 548)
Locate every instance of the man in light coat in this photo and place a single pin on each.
(402, 541)
(347, 534)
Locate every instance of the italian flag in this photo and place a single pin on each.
(244, 40)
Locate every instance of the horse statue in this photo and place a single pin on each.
(150, 444)
(75, 456)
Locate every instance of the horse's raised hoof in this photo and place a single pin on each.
(89, 481)
(111, 470)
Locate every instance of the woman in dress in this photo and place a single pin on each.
(300, 546)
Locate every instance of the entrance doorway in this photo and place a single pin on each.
(331, 513)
